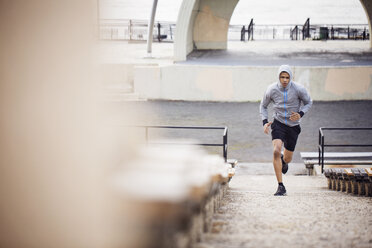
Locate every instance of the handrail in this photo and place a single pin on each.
(242, 33)
(250, 30)
(306, 29)
(322, 144)
(224, 137)
(294, 33)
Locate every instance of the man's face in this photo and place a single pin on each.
(284, 79)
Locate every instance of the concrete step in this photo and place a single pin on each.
(119, 88)
(122, 97)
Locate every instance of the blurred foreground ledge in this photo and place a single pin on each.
(171, 194)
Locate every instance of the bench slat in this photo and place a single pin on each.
(335, 162)
(335, 155)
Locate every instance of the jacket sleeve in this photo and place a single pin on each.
(306, 99)
(264, 104)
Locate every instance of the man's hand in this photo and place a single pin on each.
(267, 127)
(295, 116)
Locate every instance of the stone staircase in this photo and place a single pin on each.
(121, 93)
(310, 216)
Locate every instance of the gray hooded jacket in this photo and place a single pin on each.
(285, 100)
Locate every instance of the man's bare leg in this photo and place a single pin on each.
(287, 156)
(277, 162)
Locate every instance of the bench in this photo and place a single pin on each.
(341, 159)
(350, 180)
(352, 158)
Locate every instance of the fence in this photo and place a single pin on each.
(333, 32)
(297, 32)
(261, 32)
(136, 30)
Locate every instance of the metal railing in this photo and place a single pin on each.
(250, 30)
(136, 30)
(260, 31)
(322, 144)
(325, 32)
(242, 33)
(224, 144)
(306, 29)
(355, 32)
(294, 33)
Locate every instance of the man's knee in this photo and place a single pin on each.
(277, 152)
(287, 159)
(287, 156)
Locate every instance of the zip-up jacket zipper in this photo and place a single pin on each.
(285, 109)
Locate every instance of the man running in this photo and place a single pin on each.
(286, 97)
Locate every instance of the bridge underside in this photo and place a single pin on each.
(203, 25)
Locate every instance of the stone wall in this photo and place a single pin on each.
(243, 83)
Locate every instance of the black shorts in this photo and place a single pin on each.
(285, 133)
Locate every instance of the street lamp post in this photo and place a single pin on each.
(151, 28)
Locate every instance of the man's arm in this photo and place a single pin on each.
(264, 112)
(307, 101)
(263, 106)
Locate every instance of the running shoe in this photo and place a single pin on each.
(284, 166)
(281, 191)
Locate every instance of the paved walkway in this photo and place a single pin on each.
(310, 216)
(253, 53)
(299, 53)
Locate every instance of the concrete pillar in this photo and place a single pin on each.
(202, 24)
(211, 25)
(367, 5)
(183, 44)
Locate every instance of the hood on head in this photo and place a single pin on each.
(287, 69)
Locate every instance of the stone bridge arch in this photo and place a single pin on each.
(203, 24)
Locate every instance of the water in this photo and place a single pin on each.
(263, 11)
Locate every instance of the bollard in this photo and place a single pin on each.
(363, 184)
(356, 178)
(339, 181)
(346, 181)
(369, 183)
(327, 174)
(333, 179)
(350, 176)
